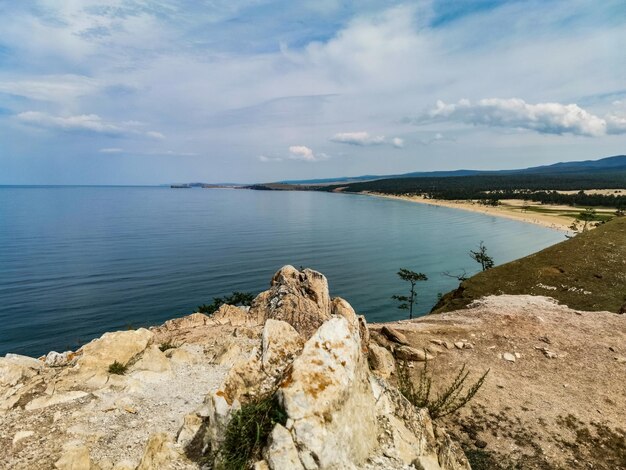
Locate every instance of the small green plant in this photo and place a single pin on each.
(236, 298)
(448, 401)
(248, 431)
(166, 345)
(117, 368)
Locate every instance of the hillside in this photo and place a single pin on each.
(617, 162)
(587, 272)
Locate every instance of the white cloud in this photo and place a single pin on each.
(51, 87)
(91, 123)
(111, 150)
(397, 142)
(82, 122)
(615, 124)
(358, 138)
(155, 135)
(545, 118)
(301, 152)
(364, 139)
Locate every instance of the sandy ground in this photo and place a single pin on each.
(509, 211)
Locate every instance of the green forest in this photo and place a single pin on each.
(491, 188)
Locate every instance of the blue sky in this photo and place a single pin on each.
(158, 91)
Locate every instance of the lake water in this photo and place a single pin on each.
(78, 261)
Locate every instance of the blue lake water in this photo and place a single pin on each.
(78, 261)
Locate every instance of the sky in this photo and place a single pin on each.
(163, 91)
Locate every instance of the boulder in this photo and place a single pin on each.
(381, 360)
(228, 354)
(407, 353)
(341, 308)
(55, 359)
(160, 453)
(96, 356)
(282, 452)
(190, 321)
(191, 425)
(152, 367)
(281, 342)
(449, 454)
(74, 456)
(233, 316)
(406, 433)
(299, 298)
(152, 360)
(15, 368)
(394, 335)
(185, 354)
(328, 400)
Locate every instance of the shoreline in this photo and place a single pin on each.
(552, 221)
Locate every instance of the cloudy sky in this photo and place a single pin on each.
(159, 91)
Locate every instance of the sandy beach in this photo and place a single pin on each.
(510, 211)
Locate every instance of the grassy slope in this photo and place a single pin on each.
(588, 271)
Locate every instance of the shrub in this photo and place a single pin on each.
(248, 431)
(448, 401)
(236, 298)
(117, 368)
(167, 345)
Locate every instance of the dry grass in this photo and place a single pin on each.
(587, 272)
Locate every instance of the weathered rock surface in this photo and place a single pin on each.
(94, 358)
(381, 361)
(299, 298)
(233, 316)
(281, 342)
(330, 379)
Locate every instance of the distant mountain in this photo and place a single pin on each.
(617, 162)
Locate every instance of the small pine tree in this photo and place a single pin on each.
(407, 302)
(481, 257)
(588, 215)
(236, 298)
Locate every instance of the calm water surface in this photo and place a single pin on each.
(78, 261)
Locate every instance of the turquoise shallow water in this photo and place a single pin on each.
(78, 261)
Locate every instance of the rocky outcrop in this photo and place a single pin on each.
(300, 298)
(340, 415)
(310, 353)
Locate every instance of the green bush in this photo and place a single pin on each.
(236, 298)
(448, 401)
(248, 431)
(117, 368)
